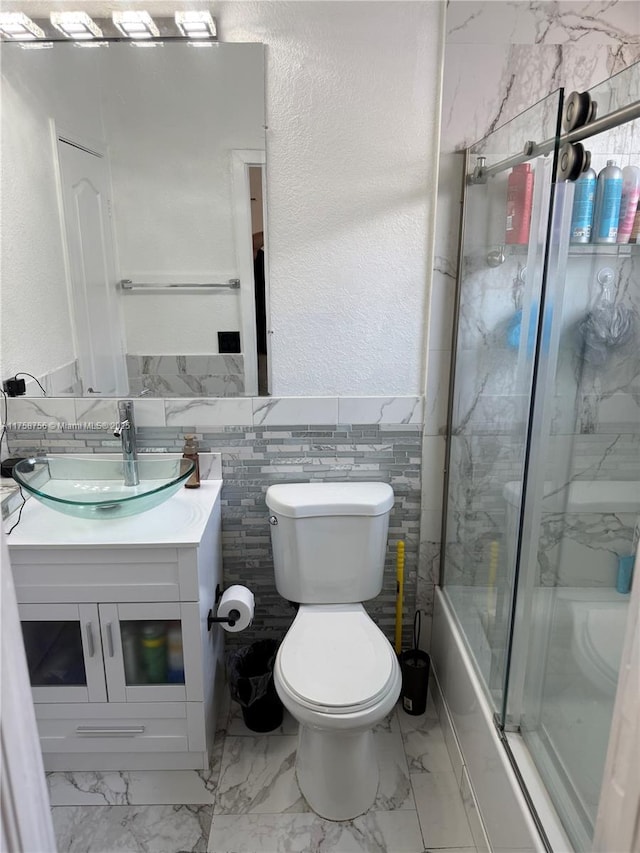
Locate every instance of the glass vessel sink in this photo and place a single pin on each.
(87, 487)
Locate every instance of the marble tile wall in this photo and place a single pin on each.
(63, 380)
(503, 57)
(262, 441)
(186, 375)
(500, 58)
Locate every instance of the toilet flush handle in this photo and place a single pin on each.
(273, 520)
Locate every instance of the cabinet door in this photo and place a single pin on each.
(146, 647)
(64, 652)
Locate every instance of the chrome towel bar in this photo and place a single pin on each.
(232, 284)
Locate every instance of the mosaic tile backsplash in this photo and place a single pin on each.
(255, 457)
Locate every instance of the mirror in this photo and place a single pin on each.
(132, 219)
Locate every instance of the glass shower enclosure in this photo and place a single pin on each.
(542, 493)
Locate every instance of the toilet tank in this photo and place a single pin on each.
(329, 540)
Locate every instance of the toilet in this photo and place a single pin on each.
(335, 671)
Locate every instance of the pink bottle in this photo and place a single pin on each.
(519, 199)
(629, 203)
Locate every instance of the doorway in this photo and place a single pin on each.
(250, 229)
(257, 231)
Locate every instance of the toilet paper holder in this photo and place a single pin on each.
(231, 619)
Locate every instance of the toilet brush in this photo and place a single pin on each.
(415, 673)
(399, 594)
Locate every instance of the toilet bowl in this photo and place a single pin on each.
(338, 676)
(335, 672)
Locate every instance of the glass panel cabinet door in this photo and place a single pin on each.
(64, 653)
(145, 648)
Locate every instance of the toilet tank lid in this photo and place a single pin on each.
(303, 500)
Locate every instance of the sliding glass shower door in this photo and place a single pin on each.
(543, 485)
(502, 266)
(582, 499)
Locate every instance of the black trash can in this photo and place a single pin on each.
(415, 665)
(250, 671)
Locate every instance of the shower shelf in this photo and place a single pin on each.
(616, 249)
(577, 249)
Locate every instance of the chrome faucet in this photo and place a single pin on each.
(126, 430)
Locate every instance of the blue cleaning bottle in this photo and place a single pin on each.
(624, 574)
(583, 203)
(607, 206)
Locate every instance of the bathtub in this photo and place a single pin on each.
(580, 606)
(597, 520)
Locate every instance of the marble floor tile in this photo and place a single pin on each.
(375, 832)
(426, 749)
(134, 829)
(258, 775)
(249, 801)
(394, 787)
(443, 819)
(261, 833)
(133, 787)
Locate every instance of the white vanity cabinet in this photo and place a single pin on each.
(125, 673)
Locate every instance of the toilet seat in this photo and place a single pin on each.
(334, 659)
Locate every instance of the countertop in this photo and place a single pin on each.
(179, 521)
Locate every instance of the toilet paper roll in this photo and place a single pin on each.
(239, 599)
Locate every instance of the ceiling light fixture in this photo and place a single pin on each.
(18, 27)
(36, 44)
(196, 25)
(75, 25)
(91, 43)
(135, 25)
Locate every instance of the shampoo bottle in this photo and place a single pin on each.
(607, 207)
(583, 202)
(628, 202)
(519, 199)
(190, 451)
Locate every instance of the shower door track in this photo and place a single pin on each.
(515, 767)
(535, 149)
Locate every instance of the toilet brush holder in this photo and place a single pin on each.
(415, 665)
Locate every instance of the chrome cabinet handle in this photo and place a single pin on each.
(110, 639)
(91, 649)
(114, 731)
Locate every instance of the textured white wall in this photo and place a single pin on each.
(352, 107)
